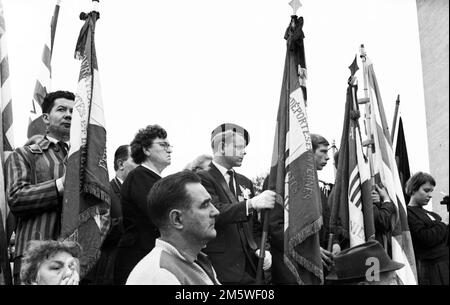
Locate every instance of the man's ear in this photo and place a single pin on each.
(45, 118)
(120, 164)
(221, 148)
(176, 219)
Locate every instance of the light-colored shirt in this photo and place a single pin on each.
(165, 265)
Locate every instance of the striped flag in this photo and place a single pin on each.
(43, 82)
(385, 171)
(351, 200)
(86, 199)
(296, 218)
(6, 145)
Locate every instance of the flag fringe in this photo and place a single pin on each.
(309, 230)
(96, 191)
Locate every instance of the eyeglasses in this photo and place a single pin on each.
(164, 145)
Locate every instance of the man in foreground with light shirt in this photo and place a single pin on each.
(181, 208)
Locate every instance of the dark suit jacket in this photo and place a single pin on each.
(116, 228)
(140, 233)
(234, 245)
(430, 238)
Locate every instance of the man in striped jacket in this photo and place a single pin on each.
(35, 176)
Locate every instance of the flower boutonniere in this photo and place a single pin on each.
(245, 193)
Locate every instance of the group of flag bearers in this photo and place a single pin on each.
(361, 164)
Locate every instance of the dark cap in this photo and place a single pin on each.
(222, 128)
(350, 264)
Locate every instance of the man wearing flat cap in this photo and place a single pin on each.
(364, 264)
(35, 175)
(234, 251)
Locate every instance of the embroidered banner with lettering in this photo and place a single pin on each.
(296, 218)
(85, 217)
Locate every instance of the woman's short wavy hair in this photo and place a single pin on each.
(37, 251)
(144, 139)
(416, 181)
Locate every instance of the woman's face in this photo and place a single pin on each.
(423, 195)
(57, 269)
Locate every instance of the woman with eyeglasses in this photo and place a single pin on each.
(429, 234)
(151, 150)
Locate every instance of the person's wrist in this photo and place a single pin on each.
(250, 205)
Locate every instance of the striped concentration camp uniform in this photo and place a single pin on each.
(32, 191)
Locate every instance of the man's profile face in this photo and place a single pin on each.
(199, 219)
(59, 118)
(321, 156)
(234, 150)
(128, 164)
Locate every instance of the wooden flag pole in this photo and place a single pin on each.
(394, 122)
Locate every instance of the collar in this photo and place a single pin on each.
(169, 248)
(120, 180)
(147, 167)
(221, 169)
(55, 141)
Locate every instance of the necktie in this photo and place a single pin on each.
(63, 147)
(231, 182)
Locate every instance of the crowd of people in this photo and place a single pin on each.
(201, 225)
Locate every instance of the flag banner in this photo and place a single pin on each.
(351, 201)
(401, 156)
(293, 173)
(385, 171)
(6, 146)
(85, 215)
(43, 82)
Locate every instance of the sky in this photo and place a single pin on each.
(192, 65)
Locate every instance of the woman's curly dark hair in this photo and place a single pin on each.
(144, 139)
(37, 251)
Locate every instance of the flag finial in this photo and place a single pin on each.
(295, 4)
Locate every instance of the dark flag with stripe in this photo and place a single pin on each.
(401, 156)
(351, 201)
(43, 82)
(85, 216)
(296, 219)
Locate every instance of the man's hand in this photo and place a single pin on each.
(383, 193)
(336, 249)
(375, 196)
(327, 258)
(265, 200)
(267, 259)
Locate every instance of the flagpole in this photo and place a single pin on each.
(369, 143)
(394, 122)
(333, 150)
